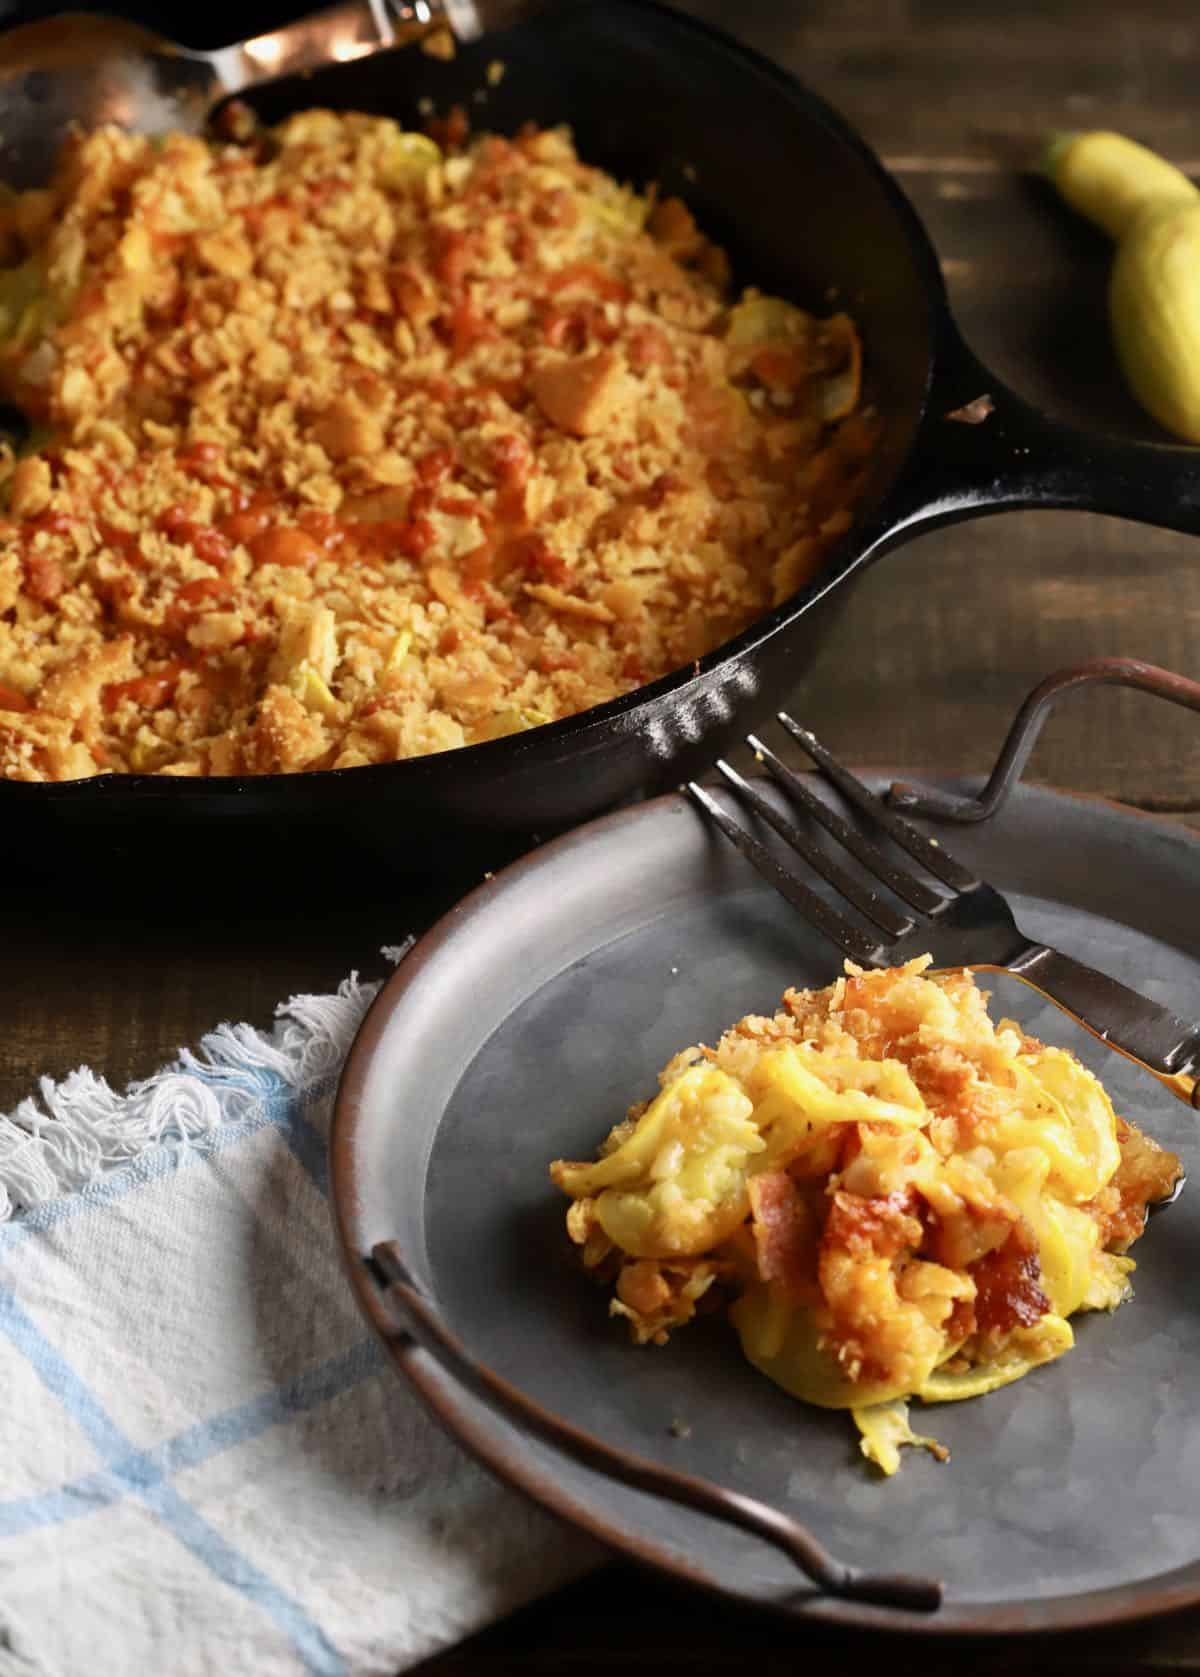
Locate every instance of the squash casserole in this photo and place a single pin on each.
(358, 444)
(898, 1198)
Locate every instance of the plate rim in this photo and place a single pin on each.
(449, 1404)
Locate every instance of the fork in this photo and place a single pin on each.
(966, 922)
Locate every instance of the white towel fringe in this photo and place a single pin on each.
(79, 1129)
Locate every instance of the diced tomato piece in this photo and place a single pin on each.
(452, 258)
(477, 566)
(549, 661)
(204, 460)
(203, 591)
(205, 542)
(193, 598)
(511, 460)
(56, 523)
(460, 506)
(592, 278)
(411, 537)
(286, 545)
(210, 545)
(200, 460)
(244, 523)
(416, 537)
(126, 542)
(44, 577)
(175, 520)
(323, 527)
(10, 699)
(543, 563)
(202, 454)
(435, 466)
(151, 692)
(467, 328)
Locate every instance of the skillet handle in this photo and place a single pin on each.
(425, 1326)
(966, 463)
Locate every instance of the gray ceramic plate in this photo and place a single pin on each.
(525, 1023)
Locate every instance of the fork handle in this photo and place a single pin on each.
(1155, 1038)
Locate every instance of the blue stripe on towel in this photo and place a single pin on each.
(150, 1166)
(315, 1386)
(139, 1474)
(282, 1106)
(307, 1147)
(228, 1564)
(196, 1444)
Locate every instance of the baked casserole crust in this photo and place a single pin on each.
(358, 444)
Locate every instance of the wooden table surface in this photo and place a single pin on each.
(924, 669)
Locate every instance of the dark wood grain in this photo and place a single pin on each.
(85, 981)
(924, 669)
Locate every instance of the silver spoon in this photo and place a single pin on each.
(88, 70)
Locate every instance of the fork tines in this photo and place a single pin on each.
(862, 946)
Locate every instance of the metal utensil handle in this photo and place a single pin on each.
(355, 29)
(920, 1595)
(1118, 1016)
(1140, 1029)
(1027, 726)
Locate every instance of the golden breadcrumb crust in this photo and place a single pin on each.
(350, 448)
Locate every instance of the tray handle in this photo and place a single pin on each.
(1028, 724)
(918, 1595)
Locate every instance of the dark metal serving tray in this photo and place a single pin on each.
(527, 1021)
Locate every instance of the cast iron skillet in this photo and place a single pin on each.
(807, 210)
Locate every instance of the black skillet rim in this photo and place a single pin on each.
(615, 714)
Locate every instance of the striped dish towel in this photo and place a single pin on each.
(205, 1465)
